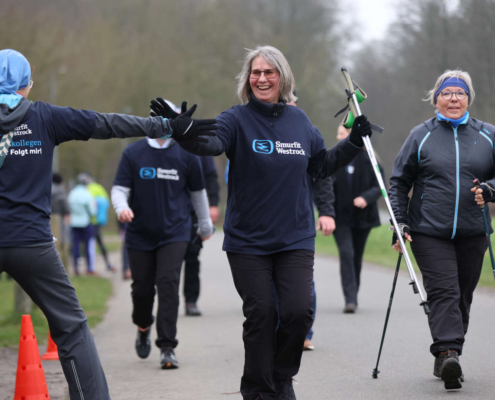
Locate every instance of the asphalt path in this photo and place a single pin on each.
(210, 348)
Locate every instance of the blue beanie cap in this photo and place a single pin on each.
(15, 71)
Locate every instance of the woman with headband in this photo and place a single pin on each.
(440, 160)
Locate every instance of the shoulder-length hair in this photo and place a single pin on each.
(276, 59)
(455, 73)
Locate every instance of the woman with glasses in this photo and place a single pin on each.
(29, 133)
(443, 221)
(269, 222)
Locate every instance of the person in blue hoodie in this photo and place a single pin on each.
(274, 152)
(82, 209)
(442, 219)
(29, 133)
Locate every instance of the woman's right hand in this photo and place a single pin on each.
(405, 232)
(396, 246)
(126, 216)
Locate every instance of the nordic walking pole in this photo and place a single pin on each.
(487, 229)
(375, 371)
(355, 109)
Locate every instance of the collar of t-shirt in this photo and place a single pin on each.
(153, 143)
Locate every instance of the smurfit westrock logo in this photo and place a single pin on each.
(147, 173)
(263, 146)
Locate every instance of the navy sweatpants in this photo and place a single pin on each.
(41, 274)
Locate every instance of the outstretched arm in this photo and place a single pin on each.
(327, 162)
(199, 138)
(71, 124)
(213, 147)
(108, 126)
(324, 163)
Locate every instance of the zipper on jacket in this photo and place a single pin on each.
(457, 182)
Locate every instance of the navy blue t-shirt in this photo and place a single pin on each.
(208, 165)
(270, 205)
(26, 175)
(160, 181)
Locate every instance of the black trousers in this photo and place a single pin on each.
(41, 274)
(273, 356)
(99, 240)
(192, 284)
(351, 243)
(451, 270)
(161, 268)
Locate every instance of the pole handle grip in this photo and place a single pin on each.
(477, 186)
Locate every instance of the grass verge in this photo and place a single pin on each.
(379, 251)
(93, 293)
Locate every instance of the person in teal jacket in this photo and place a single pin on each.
(82, 206)
(100, 219)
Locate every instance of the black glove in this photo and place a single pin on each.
(403, 230)
(162, 109)
(361, 127)
(487, 192)
(185, 128)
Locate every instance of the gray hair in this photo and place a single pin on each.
(276, 59)
(455, 73)
(84, 179)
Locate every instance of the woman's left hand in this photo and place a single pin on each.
(478, 196)
(326, 224)
(360, 202)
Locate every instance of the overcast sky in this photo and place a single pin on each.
(376, 15)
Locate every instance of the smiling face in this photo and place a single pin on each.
(453, 108)
(264, 89)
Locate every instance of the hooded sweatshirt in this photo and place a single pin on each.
(26, 175)
(28, 135)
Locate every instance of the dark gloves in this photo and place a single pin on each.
(403, 230)
(361, 127)
(488, 192)
(186, 128)
(162, 109)
(183, 126)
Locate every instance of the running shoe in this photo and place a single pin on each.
(167, 359)
(438, 364)
(308, 345)
(350, 308)
(450, 369)
(192, 310)
(143, 343)
(285, 390)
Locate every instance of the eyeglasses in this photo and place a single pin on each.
(269, 73)
(31, 83)
(461, 95)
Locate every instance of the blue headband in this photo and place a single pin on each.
(15, 71)
(453, 81)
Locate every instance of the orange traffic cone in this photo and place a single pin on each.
(51, 350)
(30, 383)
